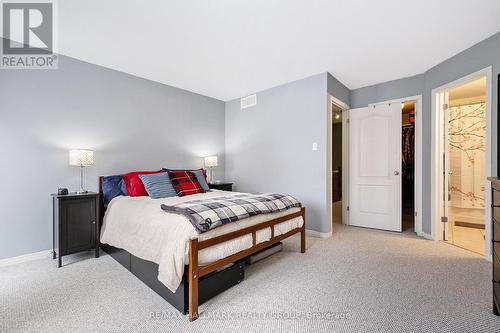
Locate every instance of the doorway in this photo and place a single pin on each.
(336, 164)
(337, 161)
(463, 148)
(408, 166)
(385, 166)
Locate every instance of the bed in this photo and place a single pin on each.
(165, 251)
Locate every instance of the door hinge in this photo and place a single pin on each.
(348, 121)
(445, 106)
(347, 208)
(415, 213)
(444, 219)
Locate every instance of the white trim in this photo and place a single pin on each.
(329, 194)
(435, 161)
(318, 234)
(345, 114)
(418, 155)
(339, 103)
(26, 257)
(427, 236)
(419, 196)
(345, 166)
(435, 167)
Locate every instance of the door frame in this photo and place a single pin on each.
(418, 156)
(436, 151)
(345, 159)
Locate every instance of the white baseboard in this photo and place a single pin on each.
(26, 257)
(318, 234)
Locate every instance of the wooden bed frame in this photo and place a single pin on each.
(195, 272)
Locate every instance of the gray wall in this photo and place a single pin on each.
(337, 89)
(131, 123)
(386, 91)
(269, 146)
(481, 55)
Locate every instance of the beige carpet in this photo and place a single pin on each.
(358, 281)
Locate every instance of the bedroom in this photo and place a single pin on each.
(167, 96)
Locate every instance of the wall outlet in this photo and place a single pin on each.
(315, 146)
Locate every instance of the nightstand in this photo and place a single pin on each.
(75, 224)
(221, 186)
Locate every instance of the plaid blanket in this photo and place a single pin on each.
(208, 214)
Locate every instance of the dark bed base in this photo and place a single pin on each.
(147, 271)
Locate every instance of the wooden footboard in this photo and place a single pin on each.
(195, 271)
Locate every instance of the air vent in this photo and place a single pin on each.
(248, 101)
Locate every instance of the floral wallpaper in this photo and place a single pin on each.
(467, 147)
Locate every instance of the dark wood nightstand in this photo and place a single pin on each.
(221, 186)
(75, 224)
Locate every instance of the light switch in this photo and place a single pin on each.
(315, 146)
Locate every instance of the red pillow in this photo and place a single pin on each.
(185, 183)
(134, 185)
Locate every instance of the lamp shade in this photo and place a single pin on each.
(80, 157)
(211, 161)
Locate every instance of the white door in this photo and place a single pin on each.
(375, 167)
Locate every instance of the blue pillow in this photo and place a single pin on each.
(200, 177)
(158, 185)
(112, 186)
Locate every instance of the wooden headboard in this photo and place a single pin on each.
(101, 202)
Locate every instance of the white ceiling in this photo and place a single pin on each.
(231, 48)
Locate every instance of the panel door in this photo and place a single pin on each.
(77, 225)
(375, 167)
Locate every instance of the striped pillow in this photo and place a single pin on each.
(158, 185)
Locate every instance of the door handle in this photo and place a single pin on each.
(396, 173)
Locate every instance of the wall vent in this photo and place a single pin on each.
(248, 101)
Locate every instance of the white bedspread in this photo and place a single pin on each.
(140, 226)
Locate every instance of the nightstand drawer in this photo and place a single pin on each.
(496, 197)
(496, 293)
(496, 249)
(496, 213)
(496, 268)
(496, 230)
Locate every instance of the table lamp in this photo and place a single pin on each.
(81, 158)
(210, 163)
